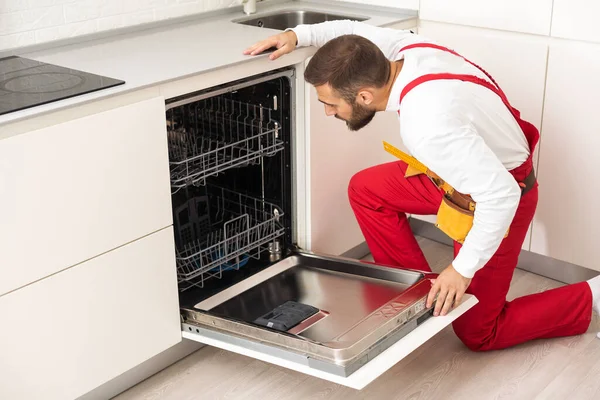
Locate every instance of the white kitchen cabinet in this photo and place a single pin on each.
(503, 55)
(71, 332)
(531, 16)
(77, 189)
(336, 154)
(576, 19)
(566, 223)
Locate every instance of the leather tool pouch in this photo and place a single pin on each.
(454, 221)
(455, 216)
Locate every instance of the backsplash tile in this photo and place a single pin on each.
(27, 22)
(31, 19)
(123, 20)
(67, 30)
(83, 10)
(17, 40)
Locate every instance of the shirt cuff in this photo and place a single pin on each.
(466, 263)
(303, 33)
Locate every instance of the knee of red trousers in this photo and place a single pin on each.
(472, 333)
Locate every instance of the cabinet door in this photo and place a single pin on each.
(576, 19)
(503, 55)
(566, 223)
(78, 189)
(71, 332)
(532, 16)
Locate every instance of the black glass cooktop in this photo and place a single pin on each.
(26, 83)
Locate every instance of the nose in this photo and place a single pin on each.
(329, 110)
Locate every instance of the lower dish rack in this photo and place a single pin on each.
(221, 230)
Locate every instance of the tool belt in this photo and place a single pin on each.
(457, 210)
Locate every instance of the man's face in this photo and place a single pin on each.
(356, 115)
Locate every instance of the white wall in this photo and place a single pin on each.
(545, 54)
(531, 16)
(27, 22)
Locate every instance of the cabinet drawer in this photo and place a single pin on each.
(69, 333)
(357, 320)
(75, 190)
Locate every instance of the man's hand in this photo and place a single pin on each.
(451, 287)
(284, 42)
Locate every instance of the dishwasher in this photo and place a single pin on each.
(242, 278)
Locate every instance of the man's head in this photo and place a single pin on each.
(348, 73)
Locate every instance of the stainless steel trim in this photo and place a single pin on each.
(344, 370)
(554, 269)
(344, 343)
(357, 252)
(538, 264)
(289, 72)
(293, 156)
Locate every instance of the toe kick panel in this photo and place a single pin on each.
(343, 320)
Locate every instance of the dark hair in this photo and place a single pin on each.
(348, 63)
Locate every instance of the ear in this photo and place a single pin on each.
(365, 97)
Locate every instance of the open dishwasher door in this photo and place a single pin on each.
(338, 319)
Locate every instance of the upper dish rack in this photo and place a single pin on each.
(209, 136)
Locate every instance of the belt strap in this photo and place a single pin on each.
(415, 164)
(528, 183)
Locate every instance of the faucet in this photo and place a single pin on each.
(249, 6)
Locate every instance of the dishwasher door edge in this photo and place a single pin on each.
(359, 379)
(353, 356)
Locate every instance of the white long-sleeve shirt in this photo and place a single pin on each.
(462, 132)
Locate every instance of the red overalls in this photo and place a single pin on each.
(381, 195)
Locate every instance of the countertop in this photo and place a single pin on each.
(178, 50)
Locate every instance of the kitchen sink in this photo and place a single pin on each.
(282, 20)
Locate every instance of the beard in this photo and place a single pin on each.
(361, 117)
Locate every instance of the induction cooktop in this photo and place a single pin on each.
(26, 83)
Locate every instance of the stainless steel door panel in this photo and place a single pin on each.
(363, 309)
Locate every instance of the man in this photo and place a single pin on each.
(456, 121)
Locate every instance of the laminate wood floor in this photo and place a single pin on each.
(565, 368)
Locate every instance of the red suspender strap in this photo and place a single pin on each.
(438, 47)
(467, 78)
